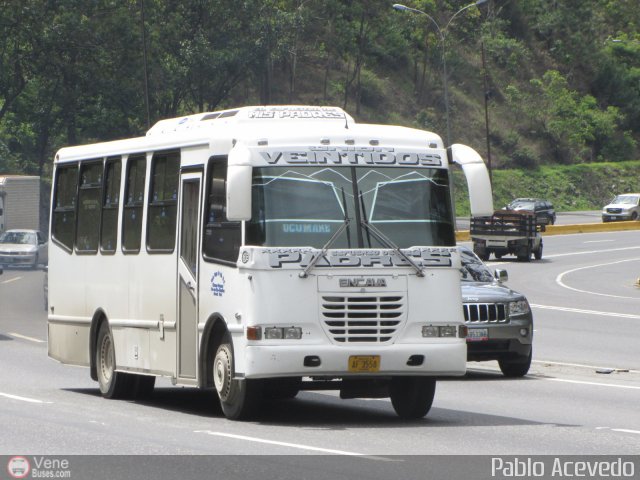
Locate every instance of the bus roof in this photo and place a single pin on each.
(290, 125)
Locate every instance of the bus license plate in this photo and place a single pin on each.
(364, 363)
(477, 335)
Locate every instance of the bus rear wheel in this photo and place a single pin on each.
(239, 399)
(412, 397)
(112, 384)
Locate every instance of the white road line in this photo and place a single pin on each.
(598, 241)
(586, 312)
(626, 430)
(597, 384)
(24, 337)
(570, 254)
(580, 365)
(4, 282)
(562, 284)
(292, 445)
(22, 399)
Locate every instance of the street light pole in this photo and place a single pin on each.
(442, 33)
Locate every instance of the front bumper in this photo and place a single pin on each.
(503, 340)
(612, 217)
(21, 259)
(440, 359)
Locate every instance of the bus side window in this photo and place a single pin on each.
(222, 238)
(133, 204)
(89, 193)
(110, 203)
(163, 201)
(64, 206)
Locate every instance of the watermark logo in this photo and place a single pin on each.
(18, 467)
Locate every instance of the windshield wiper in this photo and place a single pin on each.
(323, 252)
(369, 228)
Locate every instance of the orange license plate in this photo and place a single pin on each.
(364, 363)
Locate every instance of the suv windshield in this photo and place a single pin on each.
(473, 270)
(522, 205)
(305, 206)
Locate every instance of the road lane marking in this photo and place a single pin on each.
(626, 430)
(598, 241)
(22, 399)
(580, 365)
(622, 249)
(4, 282)
(623, 430)
(24, 337)
(293, 445)
(562, 284)
(597, 384)
(586, 312)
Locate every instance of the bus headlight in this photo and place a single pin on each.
(286, 333)
(434, 331)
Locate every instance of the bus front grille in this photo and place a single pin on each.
(362, 319)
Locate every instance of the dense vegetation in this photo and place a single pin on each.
(569, 187)
(563, 77)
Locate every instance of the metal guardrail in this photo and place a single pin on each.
(463, 235)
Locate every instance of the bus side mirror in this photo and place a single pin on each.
(238, 193)
(477, 175)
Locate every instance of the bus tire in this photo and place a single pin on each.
(282, 388)
(143, 386)
(239, 399)
(412, 397)
(112, 384)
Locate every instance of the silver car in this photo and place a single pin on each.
(499, 319)
(23, 248)
(622, 207)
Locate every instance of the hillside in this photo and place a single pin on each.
(568, 187)
(560, 79)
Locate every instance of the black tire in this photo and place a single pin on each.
(239, 399)
(482, 254)
(143, 386)
(282, 388)
(515, 367)
(526, 255)
(537, 253)
(412, 397)
(634, 216)
(498, 255)
(36, 262)
(112, 384)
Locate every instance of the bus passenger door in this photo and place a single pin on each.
(188, 240)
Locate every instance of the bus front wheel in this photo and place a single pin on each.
(412, 397)
(239, 399)
(112, 384)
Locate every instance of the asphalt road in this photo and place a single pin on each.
(581, 396)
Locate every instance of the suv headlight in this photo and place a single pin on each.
(518, 308)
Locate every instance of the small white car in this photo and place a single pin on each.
(23, 248)
(623, 207)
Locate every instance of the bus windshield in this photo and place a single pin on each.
(305, 206)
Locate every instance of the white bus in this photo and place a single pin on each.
(261, 251)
